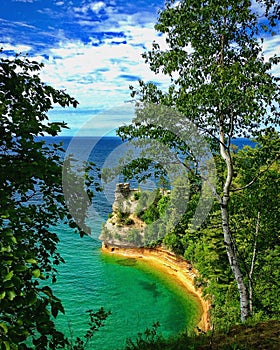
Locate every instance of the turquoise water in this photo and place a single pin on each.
(136, 295)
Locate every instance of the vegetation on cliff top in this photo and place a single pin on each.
(221, 87)
(260, 336)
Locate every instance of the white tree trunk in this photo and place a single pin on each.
(233, 261)
(228, 240)
(253, 264)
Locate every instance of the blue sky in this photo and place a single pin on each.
(90, 48)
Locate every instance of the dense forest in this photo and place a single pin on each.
(222, 88)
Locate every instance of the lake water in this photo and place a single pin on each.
(136, 295)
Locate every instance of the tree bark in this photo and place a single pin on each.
(228, 239)
(233, 261)
(253, 265)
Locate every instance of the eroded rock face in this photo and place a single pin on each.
(124, 228)
(125, 201)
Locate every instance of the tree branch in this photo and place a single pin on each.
(257, 176)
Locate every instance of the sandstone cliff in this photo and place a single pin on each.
(123, 228)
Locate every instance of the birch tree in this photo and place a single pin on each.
(221, 80)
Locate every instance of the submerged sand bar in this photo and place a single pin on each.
(180, 270)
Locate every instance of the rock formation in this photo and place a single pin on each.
(125, 201)
(123, 228)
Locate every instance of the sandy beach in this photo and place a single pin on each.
(178, 269)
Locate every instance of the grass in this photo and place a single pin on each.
(261, 336)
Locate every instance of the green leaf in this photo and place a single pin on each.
(20, 268)
(11, 294)
(31, 298)
(31, 261)
(9, 276)
(36, 273)
(47, 290)
(4, 327)
(7, 345)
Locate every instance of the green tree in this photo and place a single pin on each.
(254, 216)
(220, 81)
(32, 202)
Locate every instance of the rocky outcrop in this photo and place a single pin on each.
(123, 228)
(125, 199)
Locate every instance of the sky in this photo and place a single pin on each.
(90, 48)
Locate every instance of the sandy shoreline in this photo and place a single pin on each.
(177, 268)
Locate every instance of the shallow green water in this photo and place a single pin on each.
(136, 294)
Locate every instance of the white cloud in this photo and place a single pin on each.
(99, 73)
(15, 48)
(16, 23)
(89, 122)
(99, 76)
(97, 6)
(92, 73)
(271, 47)
(30, 1)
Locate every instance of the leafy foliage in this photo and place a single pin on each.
(147, 341)
(222, 83)
(262, 335)
(147, 208)
(32, 202)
